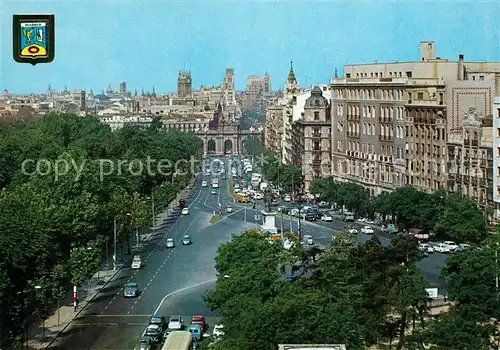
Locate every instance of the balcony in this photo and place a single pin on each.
(316, 163)
(385, 138)
(385, 120)
(473, 143)
(355, 135)
(353, 117)
(316, 135)
(487, 163)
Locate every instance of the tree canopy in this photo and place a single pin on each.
(64, 178)
(346, 296)
(447, 214)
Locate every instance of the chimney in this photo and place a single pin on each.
(461, 70)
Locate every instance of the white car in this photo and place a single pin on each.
(451, 245)
(236, 186)
(185, 211)
(307, 240)
(259, 195)
(352, 231)
(204, 184)
(287, 198)
(175, 323)
(170, 243)
(426, 248)
(136, 262)
(229, 210)
(367, 230)
(442, 248)
(326, 217)
(218, 330)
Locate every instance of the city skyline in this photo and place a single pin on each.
(252, 38)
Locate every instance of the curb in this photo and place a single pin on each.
(94, 296)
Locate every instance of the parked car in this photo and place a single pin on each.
(441, 248)
(310, 217)
(326, 217)
(307, 239)
(186, 240)
(463, 246)
(367, 230)
(185, 211)
(218, 330)
(425, 248)
(131, 290)
(287, 198)
(451, 245)
(352, 231)
(136, 262)
(170, 243)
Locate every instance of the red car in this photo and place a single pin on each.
(200, 321)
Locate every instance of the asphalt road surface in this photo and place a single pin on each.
(173, 280)
(114, 322)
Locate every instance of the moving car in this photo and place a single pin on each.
(170, 243)
(213, 191)
(157, 319)
(204, 183)
(186, 240)
(131, 290)
(136, 262)
(185, 211)
(218, 330)
(200, 321)
(367, 230)
(145, 343)
(229, 210)
(154, 332)
(326, 218)
(287, 198)
(175, 323)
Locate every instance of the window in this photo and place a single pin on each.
(348, 75)
(420, 96)
(408, 74)
(481, 77)
(316, 115)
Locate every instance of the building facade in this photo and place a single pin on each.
(496, 154)
(311, 138)
(257, 94)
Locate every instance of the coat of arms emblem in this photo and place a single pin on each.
(33, 38)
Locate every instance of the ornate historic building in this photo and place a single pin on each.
(470, 161)
(425, 135)
(257, 94)
(311, 138)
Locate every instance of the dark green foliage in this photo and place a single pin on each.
(55, 229)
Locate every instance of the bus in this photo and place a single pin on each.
(215, 182)
(178, 340)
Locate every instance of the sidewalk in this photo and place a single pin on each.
(41, 336)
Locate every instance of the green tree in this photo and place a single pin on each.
(462, 220)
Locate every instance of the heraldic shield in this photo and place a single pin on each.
(33, 38)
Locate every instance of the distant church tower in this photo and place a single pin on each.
(184, 84)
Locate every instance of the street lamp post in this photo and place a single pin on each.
(298, 227)
(153, 208)
(496, 269)
(114, 244)
(37, 288)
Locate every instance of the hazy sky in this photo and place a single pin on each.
(145, 43)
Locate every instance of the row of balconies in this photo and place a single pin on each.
(385, 119)
(353, 134)
(385, 137)
(368, 156)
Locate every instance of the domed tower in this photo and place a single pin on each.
(184, 84)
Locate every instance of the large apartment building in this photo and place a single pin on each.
(395, 124)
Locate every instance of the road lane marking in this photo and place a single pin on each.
(121, 315)
(181, 290)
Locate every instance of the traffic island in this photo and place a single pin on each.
(214, 219)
